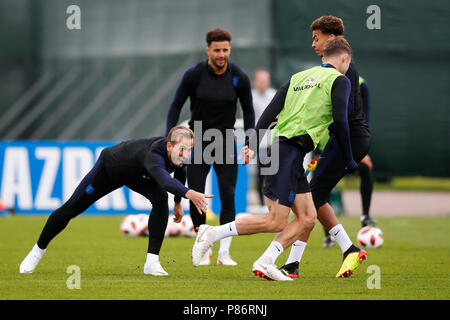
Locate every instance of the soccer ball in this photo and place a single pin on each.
(134, 225)
(142, 220)
(173, 229)
(187, 227)
(370, 237)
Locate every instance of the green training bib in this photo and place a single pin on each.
(307, 107)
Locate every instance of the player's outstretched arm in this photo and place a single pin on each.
(199, 199)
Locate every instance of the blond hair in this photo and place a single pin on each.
(178, 131)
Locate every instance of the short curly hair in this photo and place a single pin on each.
(329, 25)
(217, 35)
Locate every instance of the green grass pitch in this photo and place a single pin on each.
(414, 263)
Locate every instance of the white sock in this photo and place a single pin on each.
(273, 251)
(152, 258)
(38, 251)
(226, 230)
(341, 237)
(225, 244)
(297, 249)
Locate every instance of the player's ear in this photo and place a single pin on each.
(169, 146)
(344, 58)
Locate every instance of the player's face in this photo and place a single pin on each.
(261, 81)
(218, 53)
(180, 152)
(319, 40)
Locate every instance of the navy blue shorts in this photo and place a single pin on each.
(331, 167)
(290, 179)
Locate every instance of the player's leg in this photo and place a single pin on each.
(328, 241)
(94, 185)
(260, 184)
(207, 235)
(280, 192)
(325, 173)
(263, 157)
(157, 223)
(264, 266)
(330, 169)
(297, 233)
(226, 178)
(196, 177)
(366, 189)
(280, 195)
(298, 230)
(227, 171)
(321, 188)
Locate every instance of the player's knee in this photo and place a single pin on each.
(276, 224)
(310, 220)
(278, 227)
(68, 210)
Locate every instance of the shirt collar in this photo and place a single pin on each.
(211, 70)
(327, 65)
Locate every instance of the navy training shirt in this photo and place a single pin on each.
(133, 160)
(213, 97)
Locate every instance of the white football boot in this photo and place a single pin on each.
(206, 260)
(203, 242)
(31, 260)
(154, 269)
(225, 259)
(269, 271)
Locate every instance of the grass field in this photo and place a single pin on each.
(414, 183)
(414, 263)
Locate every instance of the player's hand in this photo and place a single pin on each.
(351, 166)
(178, 212)
(247, 153)
(199, 200)
(312, 165)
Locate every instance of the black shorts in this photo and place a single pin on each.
(331, 167)
(290, 178)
